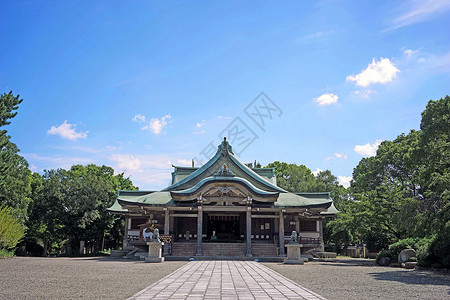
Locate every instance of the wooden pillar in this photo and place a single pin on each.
(166, 222)
(125, 233)
(281, 232)
(249, 231)
(199, 226)
(322, 245)
(297, 224)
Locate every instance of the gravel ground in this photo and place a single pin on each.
(76, 278)
(361, 279)
(105, 278)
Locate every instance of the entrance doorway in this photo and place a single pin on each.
(224, 228)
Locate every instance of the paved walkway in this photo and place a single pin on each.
(225, 280)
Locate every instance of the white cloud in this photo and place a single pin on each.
(67, 131)
(368, 149)
(200, 124)
(321, 36)
(222, 117)
(410, 53)
(419, 11)
(381, 72)
(317, 171)
(340, 155)
(127, 162)
(139, 118)
(184, 162)
(200, 132)
(364, 93)
(344, 180)
(54, 162)
(326, 99)
(155, 125)
(148, 171)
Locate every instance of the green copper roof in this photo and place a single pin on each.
(224, 156)
(225, 179)
(331, 211)
(293, 200)
(224, 168)
(117, 208)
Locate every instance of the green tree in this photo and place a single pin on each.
(435, 172)
(11, 229)
(15, 176)
(293, 178)
(70, 205)
(403, 191)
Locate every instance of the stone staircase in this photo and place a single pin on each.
(264, 250)
(184, 249)
(225, 249)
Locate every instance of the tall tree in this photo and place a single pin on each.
(292, 177)
(15, 176)
(435, 172)
(70, 205)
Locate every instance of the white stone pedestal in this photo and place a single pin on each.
(154, 252)
(293, 254)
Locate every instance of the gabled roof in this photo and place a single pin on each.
(224, 156)
(222, 169)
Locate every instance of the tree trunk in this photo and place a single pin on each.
(45, 253)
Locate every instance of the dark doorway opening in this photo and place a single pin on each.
(224, 228)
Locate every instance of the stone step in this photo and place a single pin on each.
(224, 249)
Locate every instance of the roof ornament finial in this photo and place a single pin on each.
(225, 147)
(224, 171)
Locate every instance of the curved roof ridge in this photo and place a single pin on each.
(195, 173)
(221, 178)
(255, 175)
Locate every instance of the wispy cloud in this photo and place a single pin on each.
(55, 162)
(127, 162)
(155, 125)
(200, 124)
(382, 71)
(368, 149)
(139, 119)
(315, 37)
(341, 155)
(67, 131)
(365, 93)
(150, 170)
(326, 99)
(416, 11)
(200, 132)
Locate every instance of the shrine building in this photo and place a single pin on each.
(224, 208)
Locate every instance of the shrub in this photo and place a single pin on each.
(11, 230)
(394, 249)
(440, 248)
(5, 253)
(385, 253)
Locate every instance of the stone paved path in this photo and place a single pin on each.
(225, 280)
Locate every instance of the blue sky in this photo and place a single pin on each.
(142, 85)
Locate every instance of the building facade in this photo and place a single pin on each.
(224, 208)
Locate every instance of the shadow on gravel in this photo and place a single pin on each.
(109, 259)
(347, 262)
(413, 277)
